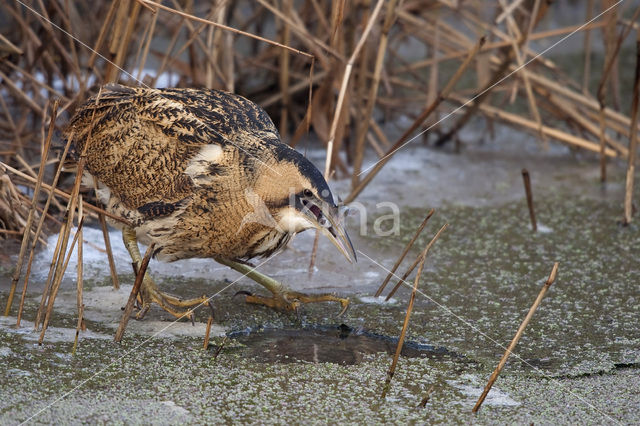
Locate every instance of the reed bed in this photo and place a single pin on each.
(335, 68)
(341, 70)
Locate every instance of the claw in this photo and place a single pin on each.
(345, 306)
(242, 293)
(291, 300)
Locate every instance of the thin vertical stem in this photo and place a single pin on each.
(32, 211)
(633, 140)
(516, 338)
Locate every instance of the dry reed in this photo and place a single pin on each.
(128, 308)
(527, 189)
(633, 142)
(516, 338)
(416, 262)
(404, 253)
(338, 68)
(32, 211)
(405, 325)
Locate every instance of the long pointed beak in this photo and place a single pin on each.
(337, 234)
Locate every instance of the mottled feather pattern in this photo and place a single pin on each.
(178, 163)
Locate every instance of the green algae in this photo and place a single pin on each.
(487, 268)
(580, 351)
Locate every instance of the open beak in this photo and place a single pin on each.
(329, 221)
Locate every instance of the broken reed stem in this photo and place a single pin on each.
(415, 263)
(417, 122)
(633, 140)
(79, 280)
(603, 144)
(78, 327)
(224, 341)
(514, 342)
(209, 323)
(32, 210)
(527, 189)
(518, 40)
(404, 253)
(146, 44)
(394, 363)
(134, 293)
(425, 398)
(102, 34)
(205, 345)
(112, 73)
(581, 119)
(55, 269)
(38, 231)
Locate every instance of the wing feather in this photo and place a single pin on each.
(143, 140)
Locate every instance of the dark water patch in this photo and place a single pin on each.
(337, 344)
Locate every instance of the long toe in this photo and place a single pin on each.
(291, 300)
(173, 305)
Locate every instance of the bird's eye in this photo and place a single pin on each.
(307, 193)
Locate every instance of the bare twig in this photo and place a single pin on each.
(527, 188)
(126, 314)
(425, 398)
(224, 341)
(415, 263)
(209, 323)
(403, 333)
(61, 267)
(79, 280)
(38, 230)
(404, 253)
(633, 140)
(514, 342)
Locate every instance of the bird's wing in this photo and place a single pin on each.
(229, 117)
(141, 141)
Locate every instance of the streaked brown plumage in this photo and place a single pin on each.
(201, 173)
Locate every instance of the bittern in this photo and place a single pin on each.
(202, 173)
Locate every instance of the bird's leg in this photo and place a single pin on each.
(282, 298)
(149, 292)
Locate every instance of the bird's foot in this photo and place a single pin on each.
(149, 293)
(291, 300)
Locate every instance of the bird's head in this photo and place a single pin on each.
(298, 198)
